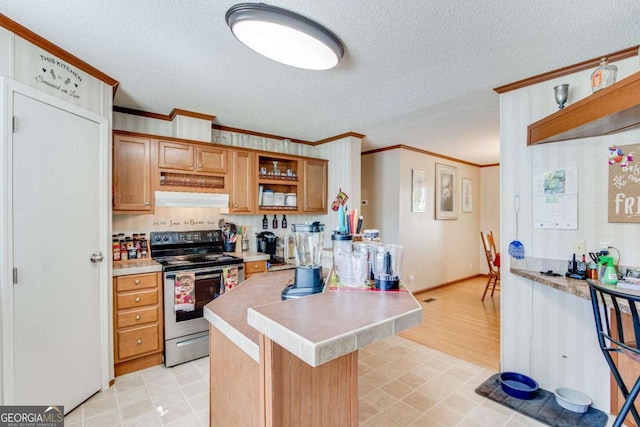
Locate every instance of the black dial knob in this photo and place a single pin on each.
(165, 237)
(157, 239)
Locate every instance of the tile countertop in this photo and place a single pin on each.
(248, 256)
(138, 266)
(579, 288)
(317, 328)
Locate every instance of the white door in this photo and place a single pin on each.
(56, 229)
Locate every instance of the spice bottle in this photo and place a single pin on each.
(116, 248)
(274, 224)
(144, 245)
(284, 221)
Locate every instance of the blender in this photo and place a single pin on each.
(308, 240)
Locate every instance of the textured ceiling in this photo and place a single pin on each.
(418, 73)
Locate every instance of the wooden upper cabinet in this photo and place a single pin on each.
(211, 159)
(241, 199)
(190, 157)
(132, 174)
(315, 185)
(175, 155)
(612, 109)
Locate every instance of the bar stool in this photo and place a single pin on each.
(614, 336)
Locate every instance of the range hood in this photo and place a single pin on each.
(184, 199)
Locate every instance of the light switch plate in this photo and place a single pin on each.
(580, 248)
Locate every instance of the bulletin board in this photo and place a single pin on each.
(624, 183)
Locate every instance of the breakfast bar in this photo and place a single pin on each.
(295, 362)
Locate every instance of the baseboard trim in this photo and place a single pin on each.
(453, 282)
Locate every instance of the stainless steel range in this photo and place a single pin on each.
(193, 264)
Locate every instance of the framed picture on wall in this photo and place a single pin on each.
(418, 191)
(467, 195)
(446, 192)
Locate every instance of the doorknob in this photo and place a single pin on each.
(97, 257)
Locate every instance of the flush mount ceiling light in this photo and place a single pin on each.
(284, 36)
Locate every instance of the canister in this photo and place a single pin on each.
(371, 235)
(290, 199)
(267, 198)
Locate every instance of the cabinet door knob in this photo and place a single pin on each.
(147, 203)
(139, 342)
(235, 205)
(190, 164)
(137, 299)
(137, 281)
(137, 317)
(199, 166)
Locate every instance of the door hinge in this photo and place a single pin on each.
(14, 124)
(15, 275)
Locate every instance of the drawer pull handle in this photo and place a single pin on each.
(137, 282)
(137, 299)
(137, 317)
(139, 342)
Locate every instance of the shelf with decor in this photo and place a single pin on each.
(610, 110)
(172, 181)
(278, 183)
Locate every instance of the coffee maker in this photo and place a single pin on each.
(308, 240)
(267, 243)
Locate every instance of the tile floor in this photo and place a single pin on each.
(402, 383)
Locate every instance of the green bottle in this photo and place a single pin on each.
(610, 274)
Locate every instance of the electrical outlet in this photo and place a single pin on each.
(580, 247)
(605, 245)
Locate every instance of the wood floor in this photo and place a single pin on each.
(456, 322)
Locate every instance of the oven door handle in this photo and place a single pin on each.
(209, 274)
(203, 275)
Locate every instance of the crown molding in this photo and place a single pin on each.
(581, 66)
(429, 153)
(56, 50)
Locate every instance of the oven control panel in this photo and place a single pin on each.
(173, 237)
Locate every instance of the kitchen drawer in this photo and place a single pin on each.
(255, 267)
(133, 342)
(136, 317)
(136, 299)
(136, 281)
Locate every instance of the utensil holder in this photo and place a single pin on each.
(229, 246)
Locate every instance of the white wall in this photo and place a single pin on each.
(435, 251)
(527, 337)
(490, 206)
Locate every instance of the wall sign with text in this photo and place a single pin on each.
(624, 183)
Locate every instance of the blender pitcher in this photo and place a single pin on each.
(308, 241)
(387, 267)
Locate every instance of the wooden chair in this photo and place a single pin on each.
(490, 252)
(618, 328)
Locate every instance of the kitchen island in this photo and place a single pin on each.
(295, 362)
